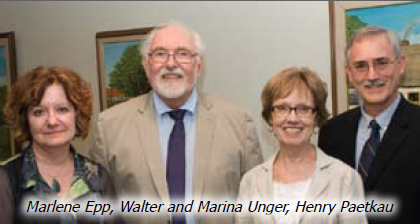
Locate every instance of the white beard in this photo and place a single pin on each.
(172, 90)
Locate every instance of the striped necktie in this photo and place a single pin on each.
(369, 150)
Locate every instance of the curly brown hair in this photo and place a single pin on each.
(29, 90)
(282, 84)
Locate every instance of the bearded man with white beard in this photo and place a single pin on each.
(380, 138)
(150, 153)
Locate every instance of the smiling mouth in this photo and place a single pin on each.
(375, 86)
(52, 132)
(172, 76)
(293, 129)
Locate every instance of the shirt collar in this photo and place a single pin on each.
(383, 118)
(83, 171)
(189, 106)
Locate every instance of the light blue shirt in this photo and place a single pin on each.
(363, 131)
(165, 125)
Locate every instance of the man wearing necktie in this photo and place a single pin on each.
(176, 144)
(379, 138)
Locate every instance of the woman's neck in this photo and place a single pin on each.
(296, 153)
(294, 164)
(51, 156)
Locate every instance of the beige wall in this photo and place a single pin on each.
(247, 42)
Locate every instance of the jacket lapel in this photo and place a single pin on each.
(319, 182)
(395, 134)
(349, 146)
(266, 183)
(203, 146)
(265, 188)
(320, 179)
(149, 135)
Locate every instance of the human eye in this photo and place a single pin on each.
(159, 53)
(37, 112)
(304, 109)
(361, 66)
(63, 109)
(183, 53)
(281, 109)
(381, 63)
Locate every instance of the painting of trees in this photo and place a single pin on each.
(8, 73)
(128, 78)
(4, 130)
(5, 144)
(353, 23)
(121, 74)
(128, 75)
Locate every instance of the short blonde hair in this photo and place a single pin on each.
(287, 80)
(29, 90)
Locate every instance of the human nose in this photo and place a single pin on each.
(52, 119)
(372, 72)
(171, 62)
(292, 116)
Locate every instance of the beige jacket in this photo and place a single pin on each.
(226, 147)
(332, 179)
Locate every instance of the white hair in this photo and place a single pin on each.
(198, 41)
(370, 31)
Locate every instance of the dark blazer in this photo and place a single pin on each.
(395, 169)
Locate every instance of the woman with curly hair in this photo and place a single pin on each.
(47, 108)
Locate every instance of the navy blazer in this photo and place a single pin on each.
(395, 169)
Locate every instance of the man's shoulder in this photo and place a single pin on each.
(343, 117)
(124, 109)
(413, 108)
(222, 105)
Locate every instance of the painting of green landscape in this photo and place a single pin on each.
(401, 18)
(125, 76)
(5, 138)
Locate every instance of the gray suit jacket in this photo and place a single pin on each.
(127, 143)
(331, 180)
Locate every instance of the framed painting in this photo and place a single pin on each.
(348, 16)
(121, 74)
(8, 74)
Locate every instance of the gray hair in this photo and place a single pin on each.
(370, 31)
(198, 41)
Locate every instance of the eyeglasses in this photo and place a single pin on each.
(379, 64)
(181, 56)
(300, 110)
